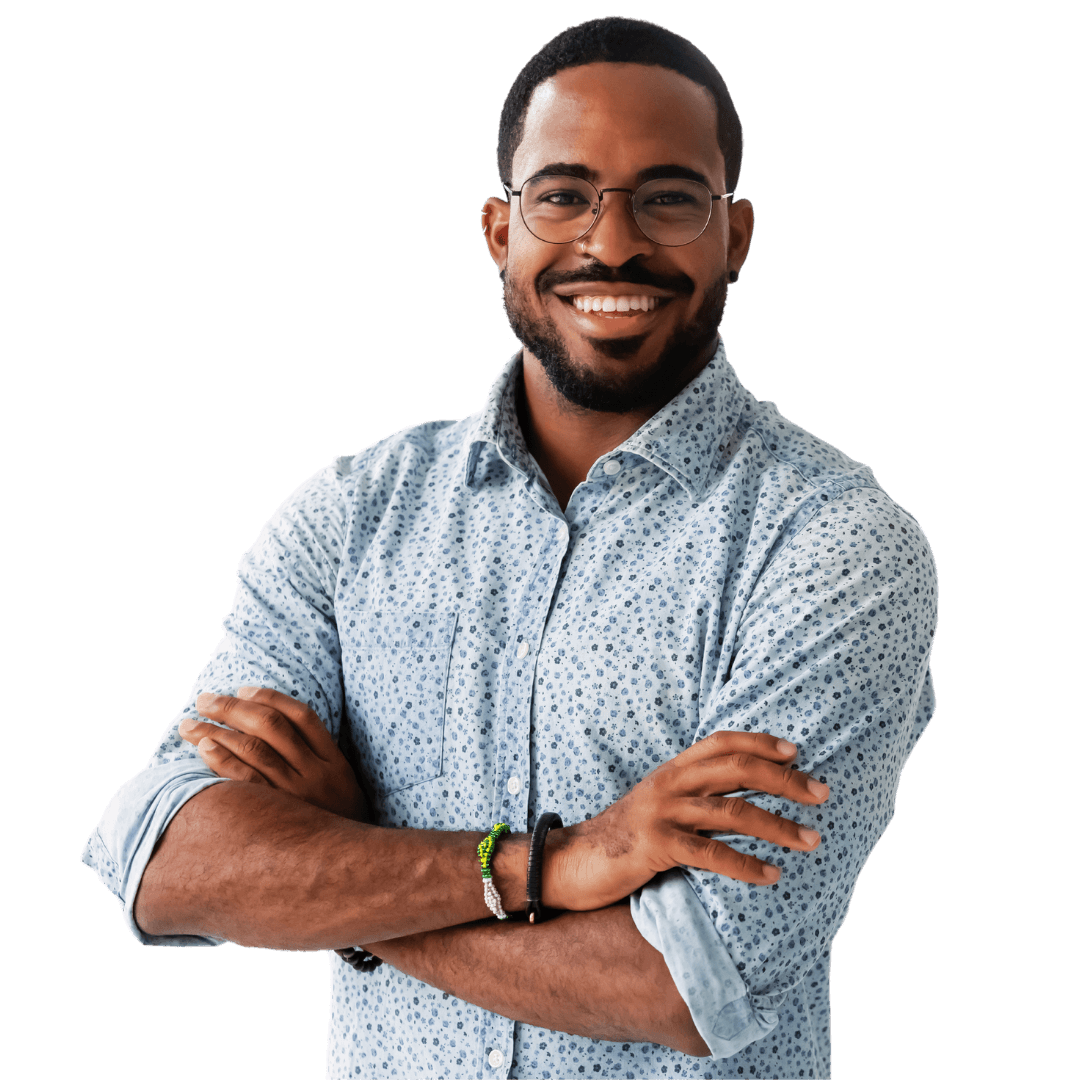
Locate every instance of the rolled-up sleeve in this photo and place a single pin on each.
(831, 652)
(280, 634)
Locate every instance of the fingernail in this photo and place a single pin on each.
(205, 700)
(247, 691)
(816, 789)
(771, 874)
(187, 725)
(207, 745)
(786, 747)
(809, 837)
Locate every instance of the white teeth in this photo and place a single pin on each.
(615, 303)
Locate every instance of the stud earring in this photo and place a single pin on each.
(733, 276)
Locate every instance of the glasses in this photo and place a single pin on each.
(562, 209)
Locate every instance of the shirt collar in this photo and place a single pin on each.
(683, 438)
(497, 425)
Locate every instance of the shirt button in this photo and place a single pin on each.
(496, 1059)
(522, 650)
(513, 785)
(612, 466)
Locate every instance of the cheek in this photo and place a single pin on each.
(522, 263)
(706, 267)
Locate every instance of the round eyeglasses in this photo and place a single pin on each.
(561, 209)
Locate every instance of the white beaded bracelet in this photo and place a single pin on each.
(493, 900)
(485, 850)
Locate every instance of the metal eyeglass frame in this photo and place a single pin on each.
(599, 204)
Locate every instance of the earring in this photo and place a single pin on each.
(733, 276)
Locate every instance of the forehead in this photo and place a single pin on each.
(618, 119)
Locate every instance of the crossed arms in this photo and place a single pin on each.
(831, 647)
(284, 859)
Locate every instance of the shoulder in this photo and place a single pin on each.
(819, 509)
(859, 555)
(863, 525)
(780, 443)
(314, 522)
(415, 448)
(334, 487)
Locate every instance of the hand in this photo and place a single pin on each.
(659, 823)
(274, 739)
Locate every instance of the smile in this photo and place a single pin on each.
(614, 306)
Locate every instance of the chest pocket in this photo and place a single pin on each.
(396, 666)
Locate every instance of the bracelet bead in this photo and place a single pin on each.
(485, 849)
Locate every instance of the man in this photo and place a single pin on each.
(625, 592)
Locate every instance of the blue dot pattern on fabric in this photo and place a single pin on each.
(456, 631)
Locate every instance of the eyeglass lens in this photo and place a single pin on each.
(560, 209)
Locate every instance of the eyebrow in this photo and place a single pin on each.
(653, 172)
(672, 172)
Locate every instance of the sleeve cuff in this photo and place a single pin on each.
(124, 840)
(669, 916)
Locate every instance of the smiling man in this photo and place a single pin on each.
(625, 593)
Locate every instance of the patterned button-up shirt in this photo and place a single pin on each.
(483, 655)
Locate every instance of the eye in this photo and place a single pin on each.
(563, 198)
(669, 198)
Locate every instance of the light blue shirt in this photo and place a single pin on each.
(482, 655)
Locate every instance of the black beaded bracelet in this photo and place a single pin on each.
(536, 864)
(360, 959)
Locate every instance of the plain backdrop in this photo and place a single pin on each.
(240, 239)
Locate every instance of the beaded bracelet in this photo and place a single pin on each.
(485, 850)
(359, 958)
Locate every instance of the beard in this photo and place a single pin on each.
(651, 387)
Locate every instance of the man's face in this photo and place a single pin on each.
(618, 125)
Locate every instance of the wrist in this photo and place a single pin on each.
(509, 870)
(557, 889)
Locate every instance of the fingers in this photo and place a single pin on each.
(253, 753)
(306, 722)
(739, 742)
(740, 816)
(226, 764)
(704, 854)
(735, 772)
(266, 723)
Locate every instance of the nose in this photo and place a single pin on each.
(614, 237)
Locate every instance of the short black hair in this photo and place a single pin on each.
(619, 41)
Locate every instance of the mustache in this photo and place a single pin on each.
(628, 274)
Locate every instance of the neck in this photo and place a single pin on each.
(566, 439)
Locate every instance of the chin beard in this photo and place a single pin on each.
(652, 388)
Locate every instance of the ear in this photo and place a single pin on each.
(740, 230)
(496, 222)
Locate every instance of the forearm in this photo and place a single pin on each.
(253, 865)
(586, 973)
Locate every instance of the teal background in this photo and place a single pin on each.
(195, 193)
